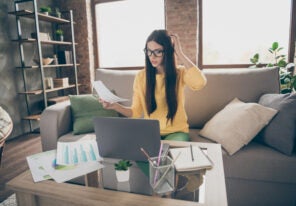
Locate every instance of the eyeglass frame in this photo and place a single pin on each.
(146, 51)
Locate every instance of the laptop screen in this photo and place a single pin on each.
(123, 138)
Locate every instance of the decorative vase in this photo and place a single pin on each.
(60, 37)
(122, 176)
(124, 186)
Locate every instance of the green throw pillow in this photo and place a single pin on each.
(84, 108)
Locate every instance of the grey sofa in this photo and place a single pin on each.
(255, 175)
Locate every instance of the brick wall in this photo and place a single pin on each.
(84, 38)
(181, 18)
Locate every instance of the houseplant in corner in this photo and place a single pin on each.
(286, 72)
(45, 10)
(122, 170)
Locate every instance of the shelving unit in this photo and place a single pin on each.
(42, 44)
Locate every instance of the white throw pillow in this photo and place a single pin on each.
(237, 124)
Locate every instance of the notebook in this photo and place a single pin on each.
(122, 138)
(190, 159)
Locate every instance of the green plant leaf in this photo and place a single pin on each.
(286, 90)
(122, 165)
(282, 63)
(293, 82)
(255, 59)
(281, 56)
(274, 46)
(59, 32)
(45, 9)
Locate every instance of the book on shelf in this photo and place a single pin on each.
(61, 82)
(65, 57)
(191, 159)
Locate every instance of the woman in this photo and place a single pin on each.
(158, 88)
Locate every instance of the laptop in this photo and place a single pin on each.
(123, 138)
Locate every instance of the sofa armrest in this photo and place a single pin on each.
(55, 121)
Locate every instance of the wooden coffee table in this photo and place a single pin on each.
(48, 193)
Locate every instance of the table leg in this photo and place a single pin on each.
(25, 199)
(91, 179)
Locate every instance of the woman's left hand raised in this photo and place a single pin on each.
(176, 44)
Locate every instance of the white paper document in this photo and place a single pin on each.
(62, 173)
(105, 94)
(72, 153)
(37, 170)
(46, 162)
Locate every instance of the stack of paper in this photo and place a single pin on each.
(190, 159)
(72, 153)
(105, 94)
(44, 165)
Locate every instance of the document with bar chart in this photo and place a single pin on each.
(73, 153)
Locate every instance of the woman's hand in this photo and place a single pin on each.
(125, 111)
(176, 44)
(107, 105)
(179, 52)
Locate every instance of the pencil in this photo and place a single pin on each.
(158, 162)
(191, 152)
(146, 154)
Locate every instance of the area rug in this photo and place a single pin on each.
(10, 201)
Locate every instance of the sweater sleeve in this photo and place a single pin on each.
(137, 108)
(194, 78)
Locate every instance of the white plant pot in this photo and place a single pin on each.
(122, 176)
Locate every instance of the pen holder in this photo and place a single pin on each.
(162, 175)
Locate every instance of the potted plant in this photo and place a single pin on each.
(60, 34)
(45, 10)
(57, 13)
(287, 78)
(122, 170)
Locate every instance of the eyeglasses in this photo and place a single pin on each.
(156, 52)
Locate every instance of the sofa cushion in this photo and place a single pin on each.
(84, 108)
(237, 124)
(262, 163)
(280, 133)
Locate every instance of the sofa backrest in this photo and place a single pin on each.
(223, 85)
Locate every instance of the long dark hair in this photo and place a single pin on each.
(161, 37)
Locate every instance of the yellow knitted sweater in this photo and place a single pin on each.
(192, 77)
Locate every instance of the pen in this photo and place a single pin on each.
(146, 154)
(191, 152)
(158, 162)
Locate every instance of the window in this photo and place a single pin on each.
(122, 30)
(234, 30)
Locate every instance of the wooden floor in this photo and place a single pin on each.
(14, 159)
